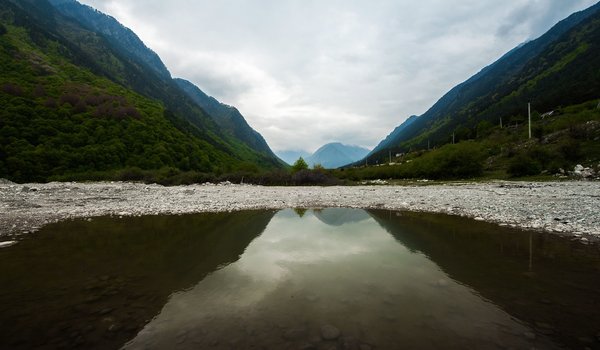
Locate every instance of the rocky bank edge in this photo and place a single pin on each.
(571, 208)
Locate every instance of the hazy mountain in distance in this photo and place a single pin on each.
(334, 155)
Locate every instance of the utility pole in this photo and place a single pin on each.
(500, 122)
(390, 157)
(428, 144)
(452, 138)
(529, 113)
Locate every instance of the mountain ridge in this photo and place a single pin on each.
(235, 125)
(227, 117)
(479, 98)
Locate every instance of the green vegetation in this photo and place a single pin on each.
(58, 119)
(299, 165)
(559, 69)
(569, 136)
(82, 111)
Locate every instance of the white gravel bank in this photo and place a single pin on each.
(570, 208)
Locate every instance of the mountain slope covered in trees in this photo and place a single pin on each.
(76, 102)
(227, 117)
(560, 68)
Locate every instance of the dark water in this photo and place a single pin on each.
(316, 279)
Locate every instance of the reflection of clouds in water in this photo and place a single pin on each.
(302, 272)
(291, 240)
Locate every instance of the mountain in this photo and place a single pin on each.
(335, 155)
(559, 68)
(81, 102)
(394, 134)
(227, 117)
(114, 31)
(290, 157)
(340, 216)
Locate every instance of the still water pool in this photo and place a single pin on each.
(297, 279)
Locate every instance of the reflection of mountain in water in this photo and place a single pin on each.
(111, 275)
(534, 277)
(341, 216)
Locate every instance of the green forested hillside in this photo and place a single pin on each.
(227, 117)
(73, 105)
(560, 140)
(559, 69)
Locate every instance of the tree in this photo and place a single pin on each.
(300, 164)
(318, 167)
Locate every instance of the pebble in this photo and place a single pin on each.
(571, 202)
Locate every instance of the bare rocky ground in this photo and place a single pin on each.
(569, 208)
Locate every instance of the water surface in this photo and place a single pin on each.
(297, 279)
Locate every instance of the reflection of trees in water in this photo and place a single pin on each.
(97, 283)
(545, 280)
(300, 211)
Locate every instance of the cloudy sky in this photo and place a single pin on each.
(308, 72)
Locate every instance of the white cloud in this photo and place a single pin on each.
(305, 73)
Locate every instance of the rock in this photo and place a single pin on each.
(587, 173)
(329, 332)
(7, 244)
(6, 182)
(578, 169)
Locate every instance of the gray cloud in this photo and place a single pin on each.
(307, 72)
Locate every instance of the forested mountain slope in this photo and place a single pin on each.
(76, 103)
(558, 69)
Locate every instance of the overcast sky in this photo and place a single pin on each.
(308, 72)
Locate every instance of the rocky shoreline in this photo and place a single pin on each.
(569, 208)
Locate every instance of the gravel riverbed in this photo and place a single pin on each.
(569, 208)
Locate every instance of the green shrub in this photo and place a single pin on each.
(571, 150)
(524, 165)
(463, 160)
